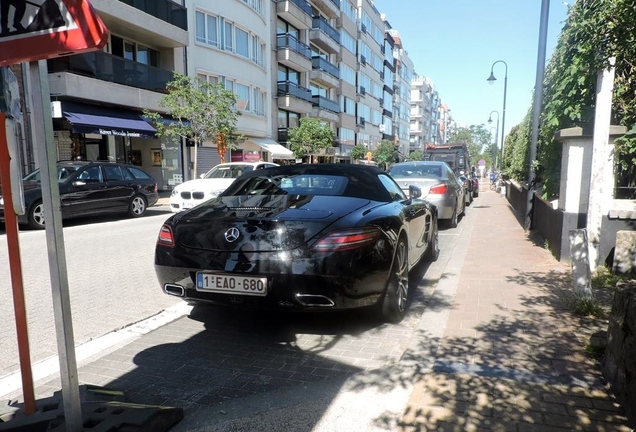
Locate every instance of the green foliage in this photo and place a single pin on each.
(604, 279)
(417, 155)
(358, 152)
(201, 111)
(385, 152)
(310, 137)
(594, 31)
(478, 140)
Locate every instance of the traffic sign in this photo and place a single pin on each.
(482, 162)
(41, 29)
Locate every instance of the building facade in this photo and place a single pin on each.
(99, 97)
(425, 126)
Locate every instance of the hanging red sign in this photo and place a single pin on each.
(41, 29)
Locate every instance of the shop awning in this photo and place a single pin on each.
(85, 118)
(278, 151)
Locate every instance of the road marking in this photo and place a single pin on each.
(51, 366)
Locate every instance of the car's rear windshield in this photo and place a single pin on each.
(415, 171)
(228, 171)
(302, 184)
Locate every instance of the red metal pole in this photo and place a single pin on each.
(19, 305)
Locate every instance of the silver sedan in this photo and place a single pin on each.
(439, 186)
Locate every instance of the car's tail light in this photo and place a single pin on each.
(348, 239)
(439, 189)
(166, 238)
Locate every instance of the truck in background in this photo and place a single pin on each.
(455, 155)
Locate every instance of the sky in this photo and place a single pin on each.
(456, 42)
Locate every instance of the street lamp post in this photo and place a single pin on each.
(491, 80)
(496, 134)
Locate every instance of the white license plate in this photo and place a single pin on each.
(187, 204)
(244, 285)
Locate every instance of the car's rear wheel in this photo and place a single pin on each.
(137, 206)
(35, 217)
(395, 298)
(432, 251)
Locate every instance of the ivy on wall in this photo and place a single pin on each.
(594, 31)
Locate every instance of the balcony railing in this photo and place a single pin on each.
(292, 89)
(326, 103)
(322, 24)
(165, 10)
(289, 41)
(107, 67)
(302, 4)
(283, 135)
(336, 2)
(323, 65)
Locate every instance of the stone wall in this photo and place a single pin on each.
(619, 361)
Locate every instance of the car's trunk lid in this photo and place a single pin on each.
(260, 223)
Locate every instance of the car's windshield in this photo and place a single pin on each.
(303, 184)
(228, 171)
(415, 171)
(63, 172)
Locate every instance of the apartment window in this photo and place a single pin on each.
(242, 43)
(207, 30)
(347, 105)
(349, 9)
(228, 36)
(287, 74)
(257, 5)
(317, 90)
(132, 51)
(288, 119)
(378, 35)
(228, 84)
(348, 41)
(347, 74)
(347, 136)
(376, 117)
(259, 101)
(364, 50)
(377, 62)
(243, 97)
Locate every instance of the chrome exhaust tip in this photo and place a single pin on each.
(175, 290)
(315, 300)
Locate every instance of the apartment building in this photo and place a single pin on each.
(230, 43)
(425, 128)
(402, 96)
(305, 74)
(98, 97)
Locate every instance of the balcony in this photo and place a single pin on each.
(330, 8)
(293, 53)
(296, 12)
(293, 97)
(165, 10)
(324, 35)
(325, 103)
(107, 67)
(324, 72)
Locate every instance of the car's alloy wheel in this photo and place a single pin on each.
(395, 299)
(36, 215)
(453, 220)
(137, 206)
(432, 252)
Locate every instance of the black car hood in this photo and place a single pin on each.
(264, 223)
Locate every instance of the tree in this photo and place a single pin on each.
(477, 139)
(310, 137)
(417, 155)
(201, 111)
(384, 153)
(358, 152)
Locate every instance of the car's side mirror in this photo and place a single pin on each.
(79, 183)
(414, 192)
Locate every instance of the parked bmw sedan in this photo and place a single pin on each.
(301, 237)
(193, 192)
(439, 186)
(88, 189)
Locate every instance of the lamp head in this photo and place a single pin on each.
(491, 79)
(489, 119)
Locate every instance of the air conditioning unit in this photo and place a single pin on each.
(361, 121)
(363, 59)
(382, 128)
(362, 90)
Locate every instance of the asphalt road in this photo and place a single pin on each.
(111, 282)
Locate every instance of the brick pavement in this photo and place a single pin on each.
(511, 357)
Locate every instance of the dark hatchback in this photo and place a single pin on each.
(89, 189)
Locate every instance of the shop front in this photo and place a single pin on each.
(267, 150)
(91, 132)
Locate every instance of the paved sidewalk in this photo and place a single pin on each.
(511, 357)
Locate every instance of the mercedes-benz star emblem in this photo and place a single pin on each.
(232, 235)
